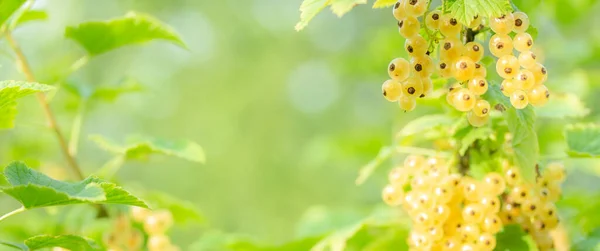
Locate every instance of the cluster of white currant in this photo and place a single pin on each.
(411, 78)
(155, 224)
(523, 76)
(532, 206)
(454, 212)
(449, 211)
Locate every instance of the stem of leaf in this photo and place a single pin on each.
(16, 211)
(76, 128)
(24, 66)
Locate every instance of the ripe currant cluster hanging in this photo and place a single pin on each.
(523, 77)
(450, 211)
(460, 60)
(532, 206)
(154, 223)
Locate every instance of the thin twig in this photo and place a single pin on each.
(24, 66)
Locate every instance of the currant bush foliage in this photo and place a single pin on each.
(10, 91)
(134, 28)
(69, 242)
(140, 147)
(34, 189)
(583, 140)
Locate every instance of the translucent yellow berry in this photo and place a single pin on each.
(409, 27)
(399, 69)
(508, 87)
(464, 100)
(500, 45)
(523, 42)
(416, 46)
(449, 26)
(477, 121)
(391, 90)
(503, 24)
(524, 80)
(478, 85)
(519, 99)
(521, 22)
(538, 95)
(464, 69)
(433, 19)
(527, 59)
(482, 108)
(407, 103)
(474, 50)
(507, 66)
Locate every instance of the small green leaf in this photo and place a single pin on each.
(512, 238)
(110, 93)
(424, 123)
(384, 3)
(182, 211)
(591, 242)
(8, 8)
(138, 147)
(102, 36)
(465, 10)
(563, 105)
(19, 246)
(71, 242)
(357, 237)
(521, 126)
(532, 31)
(34, 189)
(10, 91)
(309, 9)
(30, 16)
(341, 7)
(472, 136)
(583, 140)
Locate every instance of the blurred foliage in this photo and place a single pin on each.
(286, 118)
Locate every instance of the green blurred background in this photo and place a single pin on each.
(286, 118)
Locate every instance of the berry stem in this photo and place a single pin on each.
(11, 213)
(62, 141)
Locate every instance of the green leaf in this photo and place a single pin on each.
(591, 242)
(521, 126)
(182, 211)
(8, 8)
(384, 3)
(424, 123)
(138, 147)
(583, 140)
(309, 9)
(134, 28)
(473, 135)
(110, 93)
(532, 31)
(34, 189)
(512, 238)
(70, 242)
(30, 16)
(357, 236)
(564, 105)
(19, 246)
(465, 10)
(341, 7)
(10, 91)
